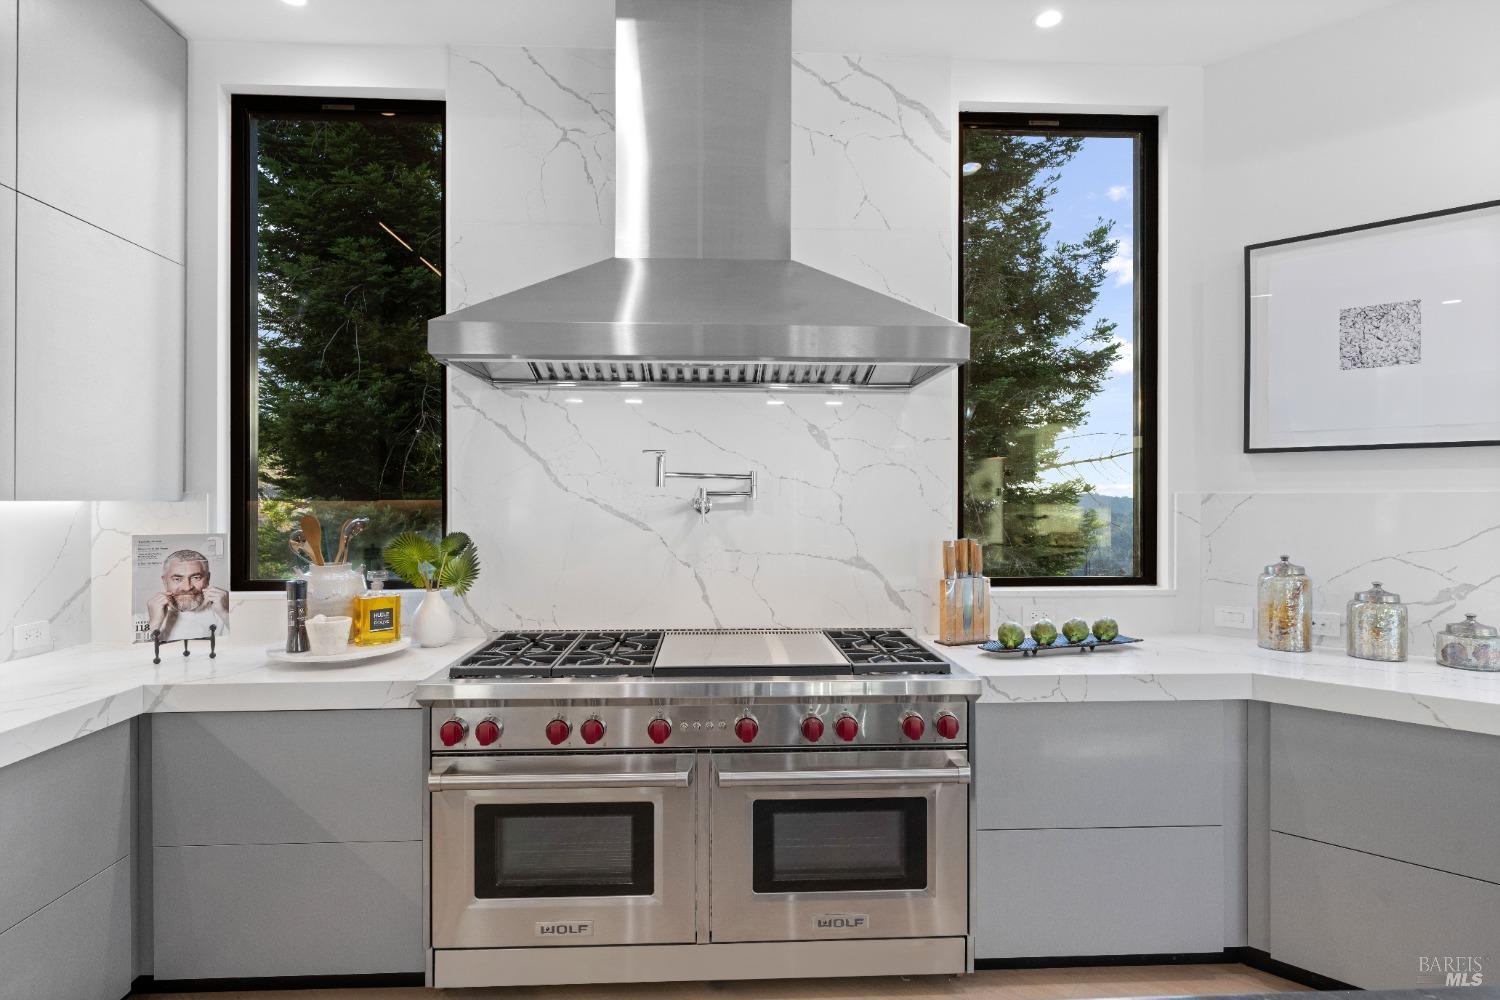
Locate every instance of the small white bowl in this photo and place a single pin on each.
(326, 636)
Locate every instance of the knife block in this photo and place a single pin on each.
(963, 595)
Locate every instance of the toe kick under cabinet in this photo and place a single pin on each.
(286, 843)
(1110, 828)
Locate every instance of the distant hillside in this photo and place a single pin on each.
(1115, 556)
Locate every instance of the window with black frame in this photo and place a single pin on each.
(1057, 404)
(337, 263)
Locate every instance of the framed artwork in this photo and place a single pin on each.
(1378, 336)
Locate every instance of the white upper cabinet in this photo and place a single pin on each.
(92, 336)
(102, 117)
(8, 93)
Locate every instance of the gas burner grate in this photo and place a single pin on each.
(516, 654)
(885, 651)
(596, 651)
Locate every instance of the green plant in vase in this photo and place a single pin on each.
(450, 563)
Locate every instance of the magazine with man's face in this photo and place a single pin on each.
(179, 586)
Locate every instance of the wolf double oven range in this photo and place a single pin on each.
(638, 806)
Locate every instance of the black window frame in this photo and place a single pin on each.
(1146, 129)
(243, 462)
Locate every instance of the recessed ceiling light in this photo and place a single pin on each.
(970, 169)
(573, 399)
(775, 402)
(833, 402)
(778, 386)
(633, 402)
(1049, 19)
(295, 3)
(564, 384)
(630, 385)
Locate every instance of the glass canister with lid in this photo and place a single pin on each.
(1376, 620)
(1469, 645)
(1283, 605)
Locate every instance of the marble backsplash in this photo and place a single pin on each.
(1440, 551)
(46, 571)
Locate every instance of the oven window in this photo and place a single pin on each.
(564, 849)
(840, 845)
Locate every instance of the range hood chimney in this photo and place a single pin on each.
(701, 292)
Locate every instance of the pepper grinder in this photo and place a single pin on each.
(296, 616)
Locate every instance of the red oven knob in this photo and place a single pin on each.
(452, 732)
(592, 731)
(746, 729)
(847, 727)
(947, 725)
(913, 726)
(487, 732)
(812, 729)
(660, 730)
(557, 731)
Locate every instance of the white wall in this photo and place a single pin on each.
(1390, 114)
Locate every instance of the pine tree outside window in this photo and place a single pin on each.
(1057, 405)
(336, 264)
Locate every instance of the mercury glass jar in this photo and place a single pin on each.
(1376, 620)
(1469, 645)
(1283, 607)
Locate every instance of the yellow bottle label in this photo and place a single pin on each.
(377, 619)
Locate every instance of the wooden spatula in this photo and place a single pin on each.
(314, 533)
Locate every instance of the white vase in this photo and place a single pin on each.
(432, 625)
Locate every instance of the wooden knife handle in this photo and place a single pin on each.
(961, 549)
(948, 560)
(976, 558)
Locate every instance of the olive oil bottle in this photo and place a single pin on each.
(377, 613)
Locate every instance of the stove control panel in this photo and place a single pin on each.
(497, 727)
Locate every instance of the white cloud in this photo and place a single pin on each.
(1117, 192)
(1124, 362)
(1122, 264)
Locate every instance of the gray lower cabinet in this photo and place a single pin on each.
(1109, 828)
(287, 910)
(78, 947)
(66, 823)
(1150, 890)
(1373, 922)
(287, 843)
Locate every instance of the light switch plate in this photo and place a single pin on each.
(1327, 623)
(1231, 617)
(32, 635)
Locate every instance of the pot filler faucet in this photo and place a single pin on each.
(703, 500)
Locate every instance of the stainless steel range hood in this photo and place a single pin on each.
(702, 292)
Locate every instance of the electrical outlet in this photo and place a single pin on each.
(1037, 614)
(32, 635)
(1231, 617)
(1327, 623)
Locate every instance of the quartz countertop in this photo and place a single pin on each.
(1211, 667)
(57, 697)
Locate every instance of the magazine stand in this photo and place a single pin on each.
(158, 642)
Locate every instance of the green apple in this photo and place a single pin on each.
(1075, 630)
(1106, 629)
(1010, 635)
(1044, 632)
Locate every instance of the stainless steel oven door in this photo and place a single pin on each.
(573, 850)
(861, 844)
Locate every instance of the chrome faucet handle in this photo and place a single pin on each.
(661, 464)
(702, 503)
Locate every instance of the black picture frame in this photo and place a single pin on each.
(1146, 130)
(1249, 380)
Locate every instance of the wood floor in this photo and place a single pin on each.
(1010, 984)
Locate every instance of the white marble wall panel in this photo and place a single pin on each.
(558, 496)
(46, 571)
(1439, 551)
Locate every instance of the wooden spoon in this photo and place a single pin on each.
(314, 532)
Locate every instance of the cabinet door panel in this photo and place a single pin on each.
(1370, 921)
(1046, 893)
(287, 777)
(102, 117)
(287, 910)
(8, 93)
(65, 815)
(7, 344)
(1100, 765)
(99, 349)
(1418, 793)
(76, 948)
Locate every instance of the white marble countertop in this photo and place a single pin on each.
(1211, 667)
(51, 699)
(48, 700)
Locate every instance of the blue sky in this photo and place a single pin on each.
(1097, 184)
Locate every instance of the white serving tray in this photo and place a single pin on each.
(354, 654)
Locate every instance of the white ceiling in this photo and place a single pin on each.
(1108, 31)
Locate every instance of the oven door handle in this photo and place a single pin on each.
(855, 776)
(480, 782)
